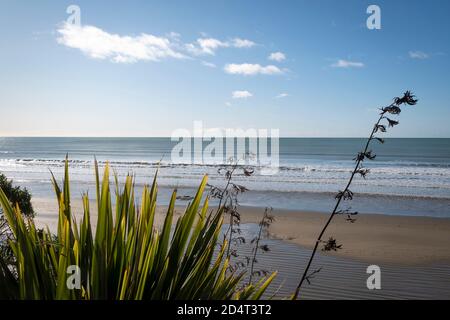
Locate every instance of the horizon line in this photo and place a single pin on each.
(169, 137)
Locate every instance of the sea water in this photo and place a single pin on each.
(408, 176)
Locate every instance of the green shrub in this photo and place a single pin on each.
(17, 195)
(126, 256)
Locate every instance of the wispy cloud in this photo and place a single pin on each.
(282, 95)
(277, 56)
(209, 46)
(248, 69)
(99, 44)
(244, 94)
(242, 43)
(208, 64)
(347, 64)
(418, 55)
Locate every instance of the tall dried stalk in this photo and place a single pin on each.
(228, 198)
(264, 224)
(347, 194)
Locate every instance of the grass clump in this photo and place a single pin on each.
(126, 257)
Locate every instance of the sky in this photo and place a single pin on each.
(147, 68)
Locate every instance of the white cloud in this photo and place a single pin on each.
(209, 46)
(208, 64)
(418, 55)
(282, 95)
(277, 56)
(248, 69)
(242, 43)
(174, 35)
(99, 44)
(241, 94)
(228, 104)
(347, 64)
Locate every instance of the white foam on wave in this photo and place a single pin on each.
(410, 179)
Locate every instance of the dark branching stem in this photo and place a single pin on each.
(225, 190)
(264, 224)
(228, 201)
(393, 108)
(252, 268)
(230, 236)
(225, 194)
(339, 199)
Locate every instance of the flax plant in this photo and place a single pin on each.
(126, 256)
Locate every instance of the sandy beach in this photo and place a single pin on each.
(411, 251)
(373, 238)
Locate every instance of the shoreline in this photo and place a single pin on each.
(373, 238)
(295, 201)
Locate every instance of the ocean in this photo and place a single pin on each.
(408, 176)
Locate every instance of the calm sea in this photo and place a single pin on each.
(408, 177)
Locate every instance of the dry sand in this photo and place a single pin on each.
(372, 238)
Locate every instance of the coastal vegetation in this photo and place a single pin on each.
(346, 194)
(126, 256)
(15, 195)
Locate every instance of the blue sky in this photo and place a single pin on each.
(146, 68)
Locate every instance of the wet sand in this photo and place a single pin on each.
(344, 278)
(411, 252)
(372, 238)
